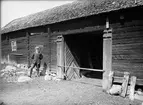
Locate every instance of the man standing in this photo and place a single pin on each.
(37, 57)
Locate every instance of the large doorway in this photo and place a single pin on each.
(87, 49)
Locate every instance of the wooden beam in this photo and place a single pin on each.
(132, 88)
(139, 81)
(118, 79)
(81, 68)
(125, 84)
(77, 31)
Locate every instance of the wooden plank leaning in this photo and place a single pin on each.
(132, 88)
(125, 84)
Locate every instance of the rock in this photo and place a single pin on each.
(2, 74)
(21, 73)
(24, 79)
(48, 77)
(10, 68)
(18, 65)
(139, 92)
(53, 74)
(115, 90)
(56, 79)
(139, 97)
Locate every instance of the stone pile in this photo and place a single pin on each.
(10, 73)
(51, 76)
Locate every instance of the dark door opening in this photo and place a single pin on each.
(87, 49)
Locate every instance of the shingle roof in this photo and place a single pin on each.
(76, 9)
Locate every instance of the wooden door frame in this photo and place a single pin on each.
(107, 60)
(60, 56)
(107, 48)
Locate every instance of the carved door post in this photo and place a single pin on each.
(107, 59)
(60, 57)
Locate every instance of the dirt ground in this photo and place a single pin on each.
(84, 91)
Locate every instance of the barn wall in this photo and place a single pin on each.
(14, 56)
(127, 52)
(21, 55)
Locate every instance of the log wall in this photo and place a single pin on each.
(127, 48)
(18, 56)
(21, 55)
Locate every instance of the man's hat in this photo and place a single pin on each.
(39, 47)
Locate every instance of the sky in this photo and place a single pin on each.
(12, 9)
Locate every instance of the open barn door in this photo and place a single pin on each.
(71, 64)
(67, 64)
(86, 51)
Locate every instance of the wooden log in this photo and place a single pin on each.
(82, 68)
(139, 81)
(125, 84)
(132, 87)
(118, 79)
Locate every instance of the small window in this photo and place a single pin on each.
(13, 45)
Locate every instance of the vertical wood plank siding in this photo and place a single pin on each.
(128, 48)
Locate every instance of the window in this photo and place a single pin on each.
(13, 46)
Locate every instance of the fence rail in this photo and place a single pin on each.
(82, 68)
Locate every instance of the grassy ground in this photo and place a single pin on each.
(40, 92)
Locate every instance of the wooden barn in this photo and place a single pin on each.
(97, 36)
